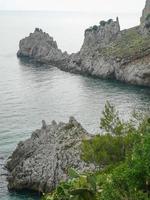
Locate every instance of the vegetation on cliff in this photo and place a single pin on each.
(121, 154)
(101, 24)
(131, 43)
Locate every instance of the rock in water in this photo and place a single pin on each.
(41, 162)
(40, 47)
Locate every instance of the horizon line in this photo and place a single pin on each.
(83, 11)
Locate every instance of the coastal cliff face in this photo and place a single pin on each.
(107, 52)
(100, 35)
(41, 162)
(126, 58)
(89, 60)
(146, 11)
(145, 19)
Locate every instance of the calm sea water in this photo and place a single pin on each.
(31, 93)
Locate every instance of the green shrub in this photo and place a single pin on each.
(148, 17)
(95, 28)
(125, 151)
(102, 23)
(78, 187)
(109, 21)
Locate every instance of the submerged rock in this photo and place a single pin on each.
(41, 162)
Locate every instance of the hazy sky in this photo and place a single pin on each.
(74, 5)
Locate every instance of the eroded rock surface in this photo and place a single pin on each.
(41, 162)
(146, 11)
(39, 46)
(101, 35)
(89, 60)
(145, 19)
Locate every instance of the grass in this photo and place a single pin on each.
(129, 44)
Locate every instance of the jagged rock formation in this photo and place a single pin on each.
(100, 35)
(127, 58)
(40, 47)
(88, 60)
(41, 162)
(108, 52)
(146, 11)
(145, 19)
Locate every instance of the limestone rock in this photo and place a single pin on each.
(41, 162)
(100, 36)
(146, 11)
(40, 47)
(88, 60)
(145, 19)
(125, 56)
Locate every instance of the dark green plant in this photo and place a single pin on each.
(95, 28)
(127, 156)
(102, 23)
(148, 17)
(102, 150)
(78, 187)
(109, 21)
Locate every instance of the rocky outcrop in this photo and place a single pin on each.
(40, 47)
(89, 60)
(125, 57)
(41, 162)
(145, 19)
(146, 11)
(107, 52)
(100, 35)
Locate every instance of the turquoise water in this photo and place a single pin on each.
(31, 93)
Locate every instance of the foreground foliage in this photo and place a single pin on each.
(122, 156)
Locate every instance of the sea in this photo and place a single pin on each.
(30, 93)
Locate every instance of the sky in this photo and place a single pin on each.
(115, 6)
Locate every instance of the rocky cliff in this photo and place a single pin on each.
(125, 58)
(40, 47)
(146, 11)
(41, 162)
(145, 19)
(88, 60)
(107, 52)
(100, 35)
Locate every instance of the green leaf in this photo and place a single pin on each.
(84, 193)
(72, 173)
(92, 180)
